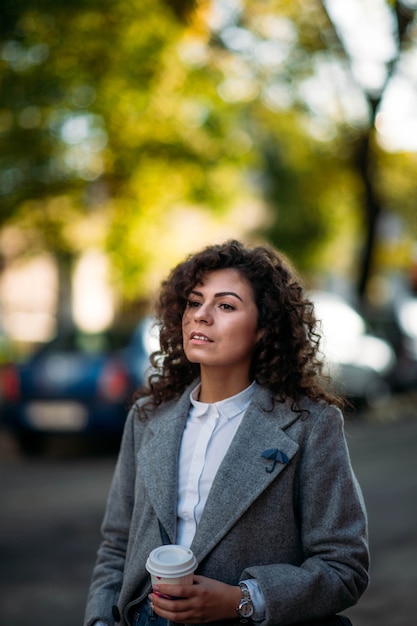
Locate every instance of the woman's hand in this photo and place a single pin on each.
(206, 600)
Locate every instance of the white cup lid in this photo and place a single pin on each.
(171, 561)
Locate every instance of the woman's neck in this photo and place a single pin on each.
(216, 388)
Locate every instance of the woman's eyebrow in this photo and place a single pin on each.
(227, 293)
(220, 294)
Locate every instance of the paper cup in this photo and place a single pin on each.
(171, 565)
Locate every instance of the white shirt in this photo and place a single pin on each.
(208, 433)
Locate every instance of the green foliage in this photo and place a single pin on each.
(397, 183)
(119, 119)
(98, 111)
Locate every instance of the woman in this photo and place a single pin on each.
(237, 451)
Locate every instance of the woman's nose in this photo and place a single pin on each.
(202, 314)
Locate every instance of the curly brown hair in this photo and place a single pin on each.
(287, 358)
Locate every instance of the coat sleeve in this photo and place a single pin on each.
(333, 532)
(109, 567)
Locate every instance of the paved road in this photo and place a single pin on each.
(51, 510)
(384, 456)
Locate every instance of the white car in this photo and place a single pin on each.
(360, 363)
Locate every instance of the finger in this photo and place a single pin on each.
(173, 591)
(197, 580)
(172, 610)
(168, 603)
(159, 594)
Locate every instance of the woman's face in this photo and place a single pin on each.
(220, 321)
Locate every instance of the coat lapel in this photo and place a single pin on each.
(242, 475)
(158, 461)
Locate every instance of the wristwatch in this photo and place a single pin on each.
(245, 608)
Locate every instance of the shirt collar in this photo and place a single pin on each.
(227, 408)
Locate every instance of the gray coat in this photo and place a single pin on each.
(299, 529)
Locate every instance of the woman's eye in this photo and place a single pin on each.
(192, 304)
(227, 307)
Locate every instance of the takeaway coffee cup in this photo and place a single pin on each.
(171, 564)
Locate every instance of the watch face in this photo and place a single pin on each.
(245, 609)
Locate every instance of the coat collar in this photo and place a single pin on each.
(241, 477)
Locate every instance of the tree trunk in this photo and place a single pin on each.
(65, 320)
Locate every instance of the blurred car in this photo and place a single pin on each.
(396, 321)
(362, 365)
(77, 384)
(405, 321)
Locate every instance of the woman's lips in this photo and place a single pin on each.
(199, 337)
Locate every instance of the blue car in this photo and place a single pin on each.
(77, 384)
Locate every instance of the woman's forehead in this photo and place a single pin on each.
(229, 275)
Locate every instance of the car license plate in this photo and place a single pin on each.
(57, 416)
